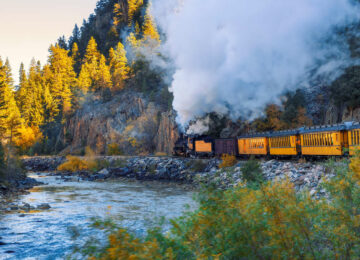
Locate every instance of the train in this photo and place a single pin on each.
(335, 140)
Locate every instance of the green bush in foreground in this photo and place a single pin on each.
(252, 172)
(270, 221)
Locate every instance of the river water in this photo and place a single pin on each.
(48, 234)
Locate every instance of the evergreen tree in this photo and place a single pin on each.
(62, 42)
(133, 7)
(103, 78)
(118, 65)
(7, 67)
(75, 55)
(21, 94)
(94, 73)
(61, 78)
(33, 112)
(75, 37)
(10, 118)
(92, 54)
(149, 28)
(119, 14)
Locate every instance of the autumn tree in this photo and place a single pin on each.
(150, 32)
(95, 73)
(134, 7)
(103, 77)
(118, 65)
(61, 79)
(10, 118)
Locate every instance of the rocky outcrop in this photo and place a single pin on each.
(128, 120)
(167, 133)
(42, 163)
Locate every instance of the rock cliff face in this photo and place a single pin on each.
(128, 120)
(167, 133)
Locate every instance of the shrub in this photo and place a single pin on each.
(88, 163)
(114, 149)
(227, 161)
(197, 165)
(252, 171)
(73, 164)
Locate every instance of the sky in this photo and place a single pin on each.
(28, 27)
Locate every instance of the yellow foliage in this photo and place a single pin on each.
(227, 161)
(149, 28)
(28, 136)
(134, 6)
(74, 163)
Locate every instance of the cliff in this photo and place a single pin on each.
(129, 120)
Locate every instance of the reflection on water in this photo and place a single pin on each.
(45, 234)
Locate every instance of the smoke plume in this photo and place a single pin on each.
(235, 56)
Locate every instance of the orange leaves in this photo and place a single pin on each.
(227, 161)
(27, 137)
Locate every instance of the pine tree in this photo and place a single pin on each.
(103, 78)
(94, 74)
(21, 92)
(119, 15)
(149, 28)
(7, 67)
(33, 112)
(118, 65)
(10, 118)
(62, 78)
(134, 6)
(75, 55)
(92, 55)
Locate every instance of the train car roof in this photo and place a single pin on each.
(323, 128)
(264, 134)
(284, 133)
(352, 125)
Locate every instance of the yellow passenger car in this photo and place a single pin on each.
(324, 140)
(203, 146)
(353, 132)
(284, 143)
(253, 144)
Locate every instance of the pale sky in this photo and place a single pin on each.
(28, 27)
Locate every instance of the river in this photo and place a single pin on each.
(48, 234)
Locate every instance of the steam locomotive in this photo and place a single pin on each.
(317, 141)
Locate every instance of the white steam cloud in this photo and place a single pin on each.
(234, 56)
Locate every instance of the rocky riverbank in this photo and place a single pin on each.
(184, 170)
(12, 189)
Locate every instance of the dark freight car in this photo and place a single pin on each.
(225, 146)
